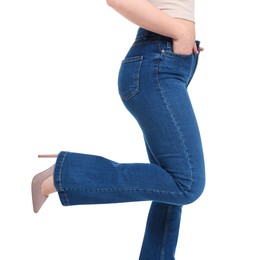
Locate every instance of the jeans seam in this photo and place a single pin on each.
(177, 127)
(119, 190)
(193, 72)
(164, 239)
(62, 190)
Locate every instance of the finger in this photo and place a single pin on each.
(195, 50)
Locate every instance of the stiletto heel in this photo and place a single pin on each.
(47, 155)
(37, 197)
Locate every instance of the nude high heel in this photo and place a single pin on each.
(47, 155)
(38, 198)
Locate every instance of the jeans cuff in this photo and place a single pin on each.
(58, 178)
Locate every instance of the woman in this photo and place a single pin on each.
(153, 80)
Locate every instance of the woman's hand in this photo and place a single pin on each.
(184, 47)
(180, 47)
(184, 42)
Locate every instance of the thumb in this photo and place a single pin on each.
(195, 50)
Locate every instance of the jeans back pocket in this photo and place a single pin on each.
(129, 77)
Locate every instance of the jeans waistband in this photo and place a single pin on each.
(144, 34)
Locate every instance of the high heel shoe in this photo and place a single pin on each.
(38, 198)
(47, 155)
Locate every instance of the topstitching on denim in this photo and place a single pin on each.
(134, 65)
(166, 231)
(123, 189)
(58, 176)
(177, 126)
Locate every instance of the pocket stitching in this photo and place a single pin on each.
(128, 94)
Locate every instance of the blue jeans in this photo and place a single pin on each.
(153, 86)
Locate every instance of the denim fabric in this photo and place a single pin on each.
(153, 84)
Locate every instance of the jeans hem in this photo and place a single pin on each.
(58, 178)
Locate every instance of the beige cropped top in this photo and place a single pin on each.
(176, 8)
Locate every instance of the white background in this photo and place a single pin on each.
(59, 63)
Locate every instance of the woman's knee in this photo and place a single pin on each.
(195, 190)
